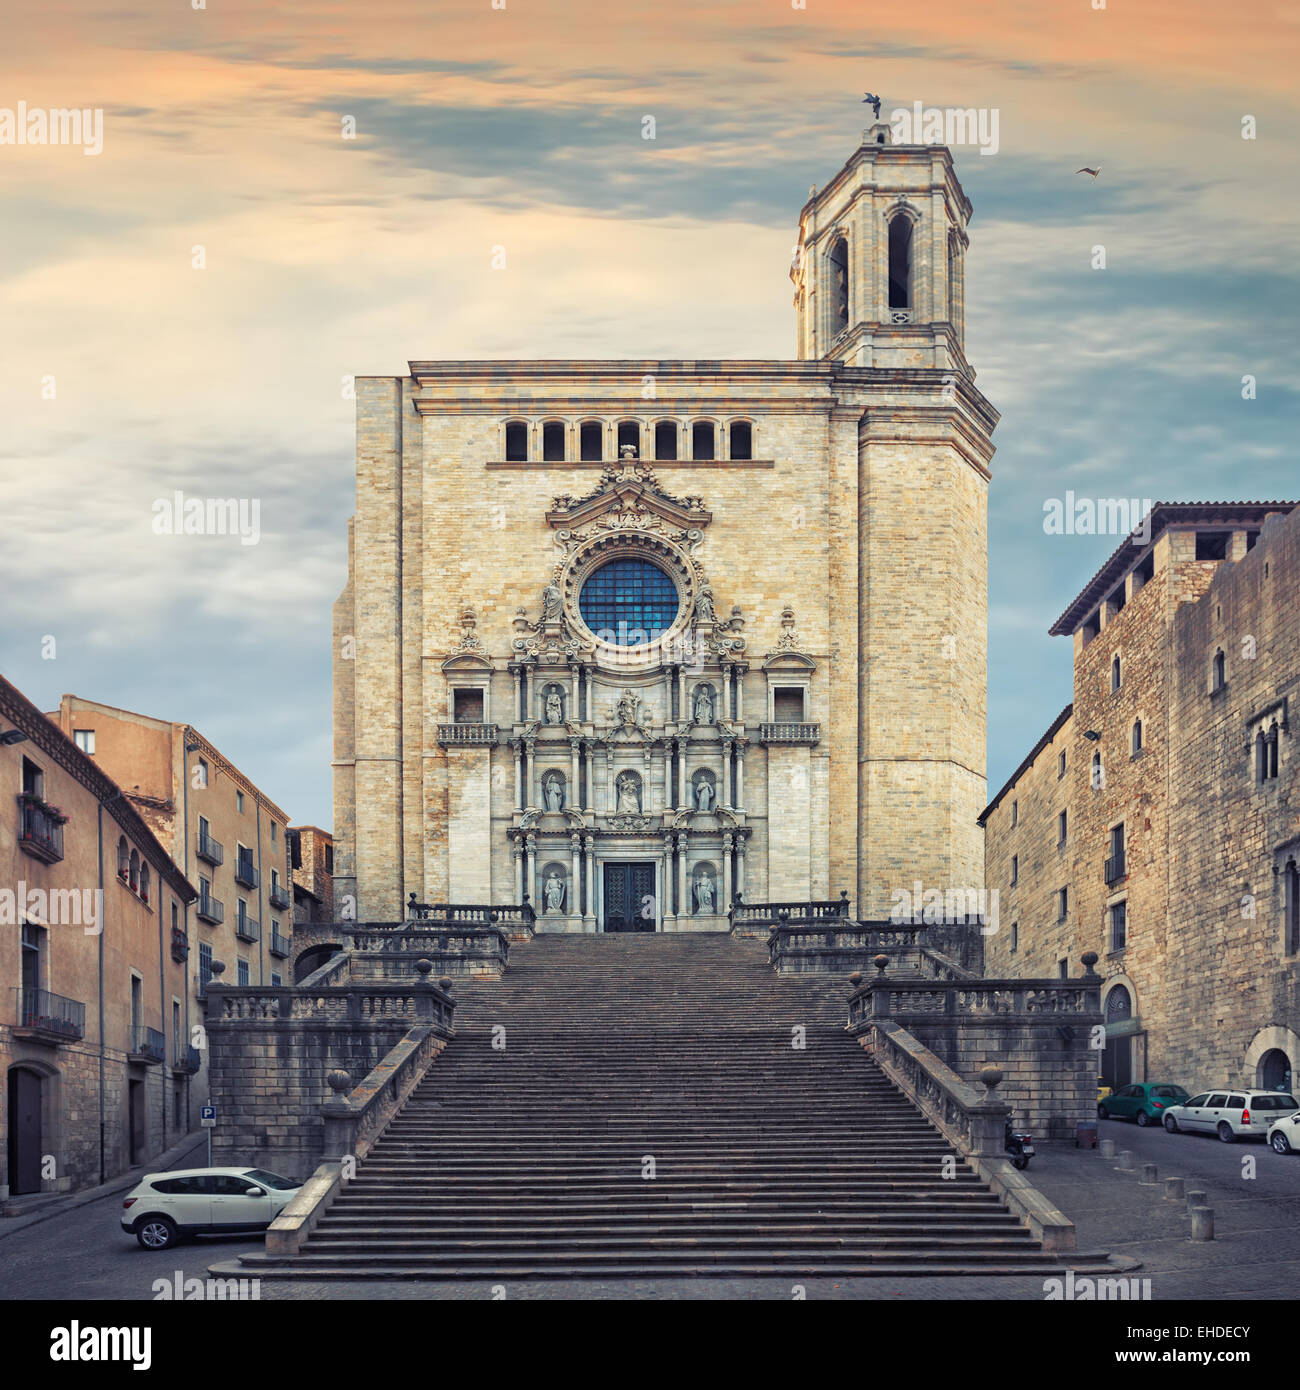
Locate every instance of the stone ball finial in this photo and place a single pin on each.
(445, 984)
(880, 962)
(1089, 959)
(784, 914)
(855, 979)
(339, 1081)
(990, 1075)
(423, 967)
(217, 968)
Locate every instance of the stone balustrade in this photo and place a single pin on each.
(758, 919)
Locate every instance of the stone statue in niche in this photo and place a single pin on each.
(554, 793)
(703, 706)
(703, 794)
(553, 711)
(629, 708)
(704, 892)
(704, 605)
(551, 598)
(629, 794)
(553, 892)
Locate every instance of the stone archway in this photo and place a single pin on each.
(1259, 1057)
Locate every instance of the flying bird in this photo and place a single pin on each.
(1093, 172)
(875, 104)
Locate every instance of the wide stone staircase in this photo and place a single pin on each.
(658, 1105)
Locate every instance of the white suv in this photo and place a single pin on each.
(163, 1207)
(1230, 1114)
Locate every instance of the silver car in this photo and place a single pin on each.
(1231, 1114)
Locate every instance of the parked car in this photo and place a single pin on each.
(1284, 1134)
(1143, 1101)
(1102, 1090)
(164, 1207)
(1230, 1114)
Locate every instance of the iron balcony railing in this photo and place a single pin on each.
(180, 944)
(51, 1013)
(1116, 867)
(187, 1059)
(246, 873)
(279, 895)
(210, 909)
(40, 831)
(247, 928)
(148, 1043)
(279, 944)
(208, 848)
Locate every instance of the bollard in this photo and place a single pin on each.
(1196, 1198)
(1202, 1223)
(1149, 1178)
(1108, 1148)
(1126, 1164)
(1174, 1189)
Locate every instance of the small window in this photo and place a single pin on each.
(33, 779)
(1063, 967)
(243, 972)
(1015, 814)
(273, 832)
(275, 980)
(123, 860)
(1098, 773)
(1062, 904)
(900, 262)
(144, 881)
(1137, 737)
(1219, 679)
(201, 773)
(553, 441)
(1116, 674)
(239, 801)
(742, 440)
(329, 859)
(1061, 832)
(133, 871)
(467, 707)
(1060, 765)
(1015, 936)
(1212, 545)
(629, 437)
(1118, 925)
(666, 439)
(702, 440)
(787, 705)
(1015, 869)
(591, 435)
(516, 442)
(1091, 628)
(84, 739)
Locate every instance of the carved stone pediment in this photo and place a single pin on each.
(629, 496)
(632, 823)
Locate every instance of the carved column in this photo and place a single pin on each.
(740, 866)
(684, 905)
(725, 798)
(666, 907)
(573, 800)
(589, 800)
(609, 780)
(531, 780)
(521, 702)
(740, 695)
(681, 692)
(589, 844)
(740, 776)
(728, 842)
(518, 745)
(682, 792)
(518, 853)
(531, 842)
(574, 906)
(572, 711)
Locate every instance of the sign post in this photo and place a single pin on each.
(208, 1119)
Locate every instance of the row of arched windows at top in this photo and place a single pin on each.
(666, 438)
(132, 870)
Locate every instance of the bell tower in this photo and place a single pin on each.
(878, 268)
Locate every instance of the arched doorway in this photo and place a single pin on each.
(24, 1088)
(312, 959)
(1274, 1071)
(1117, 1060)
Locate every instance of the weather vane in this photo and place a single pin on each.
(875, 104)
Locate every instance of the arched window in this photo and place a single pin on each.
(1119, 1005)
(1272, 751)
(1098, 774)
(666, 439)
(1291, 907)
(591, 441)
(1115, 674)
(1274, 1072)
(123, 860)
(516, 441)
(839, 267)
(133, 875)
(742, 440)
(629, 437)
(1219, 671)
(1261, 757)
(144, 881)
(553, 441)
(1137, 736)
(702, 440)
(900, 262)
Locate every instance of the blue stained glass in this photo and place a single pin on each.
(629, 602)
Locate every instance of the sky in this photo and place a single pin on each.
(180, 309)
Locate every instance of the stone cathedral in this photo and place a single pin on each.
(633, 637)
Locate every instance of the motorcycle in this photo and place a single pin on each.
(1019, 1145)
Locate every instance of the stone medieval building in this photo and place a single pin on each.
(631, 637)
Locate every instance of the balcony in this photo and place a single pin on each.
(1116, 867)
(279, 895)
(467, 735)
(248, 928)
(48, 1018)
(187, 1060)
(280, 945)
(210, 909)
(148, 1046)
(246, 873)
(208, 848)
(789, 733)
(40, 829)
(180, 944)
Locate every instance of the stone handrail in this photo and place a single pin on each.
(510, 917)
(424, 938)
(887, 997)
(332, 1003)
(332, 972)
(747, 916)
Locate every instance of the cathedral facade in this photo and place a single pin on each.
(632, 637)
